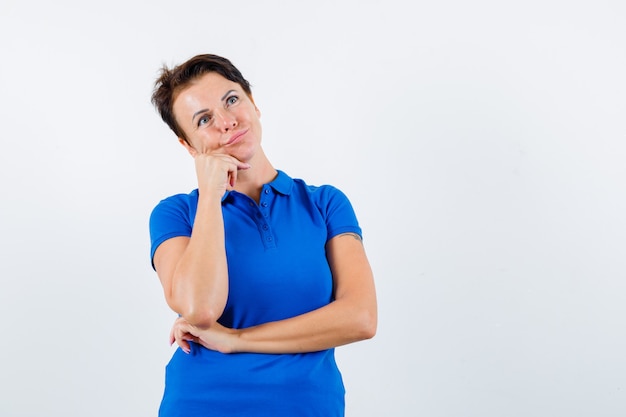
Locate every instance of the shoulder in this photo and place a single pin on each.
(332, 204)
(327, 198)
(179, 200)
(321, 194)
(173, 216)
(179, 205)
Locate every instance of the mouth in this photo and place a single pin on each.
(236, 137)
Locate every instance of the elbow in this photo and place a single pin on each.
(196, 314)
(367, 325)
(201, 312)
(202, 318)
(369, 331)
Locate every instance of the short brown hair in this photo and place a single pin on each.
(172, 80)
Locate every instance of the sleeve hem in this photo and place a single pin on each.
(346, 229)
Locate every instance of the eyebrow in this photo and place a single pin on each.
(205, 110)
(197, 113)
(227, 93)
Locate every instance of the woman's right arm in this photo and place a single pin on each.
(193, 270)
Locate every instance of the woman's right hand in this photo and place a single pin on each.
(217, 172)
(193, 270)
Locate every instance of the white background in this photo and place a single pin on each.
(483, 145)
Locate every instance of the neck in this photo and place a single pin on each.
(251, 180)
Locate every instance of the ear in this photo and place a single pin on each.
(187, 146)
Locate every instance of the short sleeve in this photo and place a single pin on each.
(170, 218)
(338, 211)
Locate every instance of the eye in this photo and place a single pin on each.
(204, 120)
(232, 100)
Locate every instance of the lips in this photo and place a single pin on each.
(236, 137)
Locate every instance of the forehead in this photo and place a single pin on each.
(208, 87)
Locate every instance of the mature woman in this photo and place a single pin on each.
(268, 274)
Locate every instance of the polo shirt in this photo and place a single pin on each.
(277, 269)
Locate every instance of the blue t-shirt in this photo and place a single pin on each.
(277, 268)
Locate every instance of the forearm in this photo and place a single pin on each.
(200, 280)
(350, 318)
(338, 323)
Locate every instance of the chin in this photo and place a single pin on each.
(247, 153)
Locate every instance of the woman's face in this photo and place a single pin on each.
(218, 117)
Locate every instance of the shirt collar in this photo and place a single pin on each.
(282, 184)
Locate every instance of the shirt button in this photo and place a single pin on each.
(264, 204)
(265, 227)
(269, 238)
(267, 191)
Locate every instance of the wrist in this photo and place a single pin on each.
(235, 345)
(210, 195)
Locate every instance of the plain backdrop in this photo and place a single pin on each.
(482, 144)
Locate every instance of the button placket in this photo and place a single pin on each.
(266, 232)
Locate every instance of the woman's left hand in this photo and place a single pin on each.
(216, 337)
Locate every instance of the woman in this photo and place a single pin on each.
(268, 274)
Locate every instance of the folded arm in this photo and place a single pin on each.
(351, 317)
(193, 271)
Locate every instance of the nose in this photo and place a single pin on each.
(226, 121)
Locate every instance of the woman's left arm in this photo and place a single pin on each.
(351, 317)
